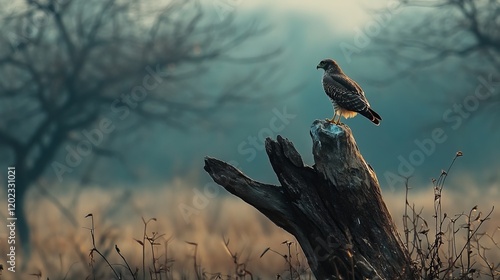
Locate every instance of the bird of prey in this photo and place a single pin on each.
(346, 95)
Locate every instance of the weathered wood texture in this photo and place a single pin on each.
(334, 208)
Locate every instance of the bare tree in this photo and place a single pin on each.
(75, 74)
(464, 33)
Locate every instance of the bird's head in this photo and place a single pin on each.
(329, 65)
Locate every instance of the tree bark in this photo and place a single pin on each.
(334, 208)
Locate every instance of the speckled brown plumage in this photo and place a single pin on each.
(346, 95)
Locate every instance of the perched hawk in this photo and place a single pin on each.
(347, 96)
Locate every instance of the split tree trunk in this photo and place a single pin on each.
(334, 208)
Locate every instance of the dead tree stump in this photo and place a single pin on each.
(334, 208)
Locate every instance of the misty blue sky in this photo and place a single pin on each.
(412, 109)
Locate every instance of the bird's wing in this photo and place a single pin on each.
(349, 95)
(345, 82)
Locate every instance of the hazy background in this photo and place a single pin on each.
(411, 107)
(159, 170)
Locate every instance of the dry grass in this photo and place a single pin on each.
(461, 244)
(62, 248)
(455, 252)
(229, 236)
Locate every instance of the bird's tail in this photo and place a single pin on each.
(373, 116)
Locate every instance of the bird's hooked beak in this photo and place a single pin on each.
(318, 66)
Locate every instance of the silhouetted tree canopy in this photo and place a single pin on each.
(463, 33)
(75, 75)
(441, 29)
